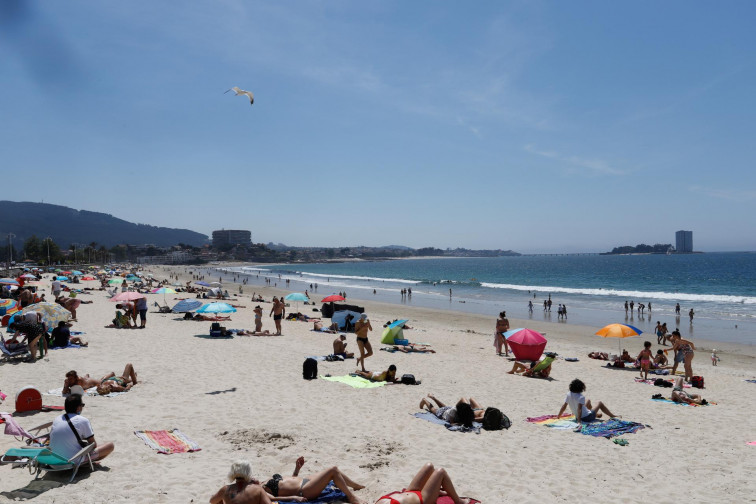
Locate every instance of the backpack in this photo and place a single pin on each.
(661, 382)
(310, 369)
(494, 419)
(409, 379)
(697, 381)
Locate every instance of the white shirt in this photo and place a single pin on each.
(62, 439)
(56, 285)
(573, 400)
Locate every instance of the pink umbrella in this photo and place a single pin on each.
(126, 296)
(526, 344)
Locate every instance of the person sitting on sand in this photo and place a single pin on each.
(660, 360)
(582, 408)
(61, 337)
(413, 347)
(460, 414)
(294, 488)
(679, 395)
(243, 488)
(519, 367)
(339, 347)
(112, 383)
(599, 355)
(626, 357)
(425, 488)
(388, 376)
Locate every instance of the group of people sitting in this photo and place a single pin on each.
(425, 488)
(28, 330)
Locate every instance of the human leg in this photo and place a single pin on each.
(601, 407)
(361, 358)
(689, 366)
(518, 367)
(102, 451)
(418, 482)
(475, 404)
(317, 482)
(439, 480)
(426, 404)
(440, 404)
(129, 374)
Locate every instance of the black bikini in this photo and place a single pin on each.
(272, 484)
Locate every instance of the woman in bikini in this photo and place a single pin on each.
(684, 351)
(502, 326)
(361, 329)
(112, 383)
(295, 489)
(679, 395)
(644, 357)
(425, 488)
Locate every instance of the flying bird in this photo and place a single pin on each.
(242, 92)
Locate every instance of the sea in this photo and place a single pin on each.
(719, 287)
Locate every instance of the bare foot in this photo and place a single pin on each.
(357, 486)
(510, 372)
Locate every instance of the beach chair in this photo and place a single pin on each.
(216, 331)
(540, 367)
(42, 459)
(16, 353)
(163, 309)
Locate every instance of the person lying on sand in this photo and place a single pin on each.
(112, 383)
(425, 488)
(413, 347)
(87, 382)
(599, 355)
(460, 414)
(339, 347)
(296, 489)
(388, 376)
(243, 332)
(679, 395)
(243, 488)
(519, 367)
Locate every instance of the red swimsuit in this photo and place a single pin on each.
(394, 501)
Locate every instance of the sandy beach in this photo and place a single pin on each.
(244, 398)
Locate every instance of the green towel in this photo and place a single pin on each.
(354, 381)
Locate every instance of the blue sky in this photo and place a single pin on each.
(533, 126)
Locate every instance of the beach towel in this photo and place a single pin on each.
(752, 443)
(563, 423)
(611, 428)
(329, 358)
(430, 417)
(670, 401)
(329, 494)
(58, 392)
(168, 441)
(70, 345)
(444, 499)
(412, 350)
(751, 381)
(651, 382)
(354, 381)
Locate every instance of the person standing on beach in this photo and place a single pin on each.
(690, 314)
(677, 309)
(632, 305)
(530, 306)
(277, 313)
(626, 306)
(361, 329)
(502, 326)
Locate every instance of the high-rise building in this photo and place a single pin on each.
(231, 237)
(684, 241)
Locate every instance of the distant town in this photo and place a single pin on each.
(683, 245)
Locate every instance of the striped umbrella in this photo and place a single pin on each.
(8, 306)
(52, 313)
(163, 291)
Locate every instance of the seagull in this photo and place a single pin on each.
(242, 92)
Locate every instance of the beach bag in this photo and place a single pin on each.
(494, 419)
(661, 382)
(310, 369)
(409, 379)
(697, 381)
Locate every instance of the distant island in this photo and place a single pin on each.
(659, 248)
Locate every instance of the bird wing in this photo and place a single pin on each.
(251, 97)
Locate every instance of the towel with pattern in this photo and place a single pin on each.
(430, 417)
(168, 441)
(354, 381)
(563, 423)
(611, 428)
(58, 392)
(670, 401)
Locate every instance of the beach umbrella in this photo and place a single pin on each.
(126, 296)
(618, 331)
(102, 272)
(187, 305)
(28, 275)
(64, 272)
(8, 306)
(296, 296)
(217, 308)
(115, 281)
(163, 291)
(216, 284)
(526, 344)
(62, 278)
(77, 272)
(52, 313)
(394, 331)
(203, 284)
(88, 278)
(332, 298)
(8, 281)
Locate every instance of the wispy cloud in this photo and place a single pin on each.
(578, 165)
(738, 195)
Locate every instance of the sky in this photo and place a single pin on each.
(536, 126)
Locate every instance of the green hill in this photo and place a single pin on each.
(67, 225)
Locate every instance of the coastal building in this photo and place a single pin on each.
(684, 242)
(231, 237)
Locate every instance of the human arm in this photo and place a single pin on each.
(218, 497)
(298, 465)
(561, 410)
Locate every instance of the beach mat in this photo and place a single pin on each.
(168, 441)
(354, 381)
(430, 417)
(562, 423)
(58, 392)
(70, 345)
(670, 401)
(608, 429)
(444, 499)
(751, 381)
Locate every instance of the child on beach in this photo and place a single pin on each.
(714, 358)
(644, 357)
(582, 408)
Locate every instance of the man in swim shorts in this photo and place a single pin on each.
(277, 312)
(339, 347)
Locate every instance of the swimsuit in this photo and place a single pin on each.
(272, 484)
(394, 501)
(364, 340)
(118, 380)
(277, 317)
(304, 482)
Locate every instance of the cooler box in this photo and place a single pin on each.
(28, 399)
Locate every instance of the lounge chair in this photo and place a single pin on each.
(163, 309)
(37, 435)
(42, 459)
(545, 363)
(16, 353)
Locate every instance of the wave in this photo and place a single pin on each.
(629, 294)
(301, 274)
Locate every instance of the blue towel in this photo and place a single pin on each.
(430, 417)
(70, 345)
(329, 494)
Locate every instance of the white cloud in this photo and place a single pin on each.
(577, 164)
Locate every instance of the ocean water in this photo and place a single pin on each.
(719, 287)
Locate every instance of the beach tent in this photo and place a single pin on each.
(394, 331)
(526, 344)
(340, 317)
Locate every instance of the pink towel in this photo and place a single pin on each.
(12, 428)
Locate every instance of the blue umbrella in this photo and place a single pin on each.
(217, 308)
(296, 296)
(203, 284)
(77, 272)
(62, 278)
(187, 305)
(8, 281)
(509, 333)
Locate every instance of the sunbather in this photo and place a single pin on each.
(413, 347)
(463, 413)
(679, 395)
(61, 337)
(108, 383)
(425, 488)
(388, 376)
(339, 347)
(599, 355)
(293, 488)
(535, 370)
(243, 488)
